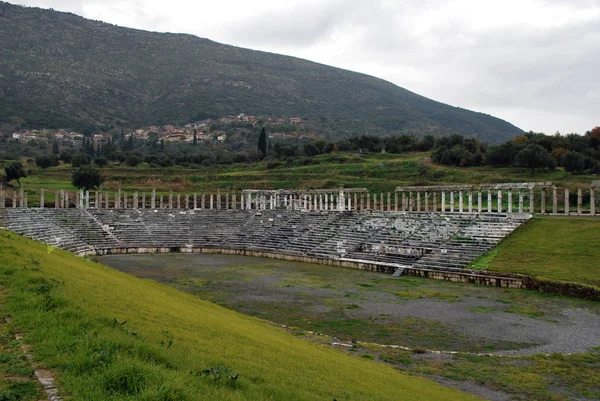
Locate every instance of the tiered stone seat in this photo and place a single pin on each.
(32, 223)
(448, 241)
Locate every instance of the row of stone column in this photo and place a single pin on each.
(521, 200)
(518, 201)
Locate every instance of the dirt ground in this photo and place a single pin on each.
(353, 305)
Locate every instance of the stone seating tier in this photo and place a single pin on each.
(447, 242)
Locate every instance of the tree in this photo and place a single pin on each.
(14, 171)
(535, 156)
(101, 161)
(262, 143)
(573, 162)
(45, 161)
(87, 177)
(310, 149)
(81, 160)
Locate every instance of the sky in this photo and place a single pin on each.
(533, 63)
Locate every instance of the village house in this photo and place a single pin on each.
(295, 120)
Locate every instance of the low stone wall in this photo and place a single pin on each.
(487, 278)
(481, 278)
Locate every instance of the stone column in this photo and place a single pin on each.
(509, 201)
(135, 200)
(67, 200)
(170, 199)
(418, 201)
(434, 205)
(460, 201)
(451, 201)
(395, 201)
(233, 201)
(87, 199)
(143, 200)
(500, 201)
(178, 201)
(531, 201)
(426, 200)
(410, 201)
(567, 206)
(404, 208)
(521, 204)
(479, 202)
(249, 201)
(443, 202)
(543, 201)
(22, 196)
(211, 201)
(218, 199)
(242, 201)
(554, 200)
(593, 201)
(579, 200)
(470, 201)
(375, 201)
(202, 201)
(349, 203)
(14, 199)
(124, 200)
(186, 205)
(153, 199)
(41, 199)
(489, 202)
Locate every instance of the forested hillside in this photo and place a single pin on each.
(61, 70)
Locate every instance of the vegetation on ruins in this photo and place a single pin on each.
(110, 336)
(194, 79)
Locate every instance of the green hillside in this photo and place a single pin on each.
(110, 336)
(61, 70)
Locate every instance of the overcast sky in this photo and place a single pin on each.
(533, 63)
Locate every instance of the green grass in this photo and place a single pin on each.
(538, 377)
(551, 248)
(332, 170)
(17, 380)
(111, 336)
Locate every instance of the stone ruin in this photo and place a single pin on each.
(432, 228)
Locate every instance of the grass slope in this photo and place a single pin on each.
(551, 248)
(110, 336)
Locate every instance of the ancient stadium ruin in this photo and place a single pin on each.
(433, 231)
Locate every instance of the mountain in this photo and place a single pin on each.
(61, 70)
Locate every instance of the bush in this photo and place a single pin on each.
(273, 165)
